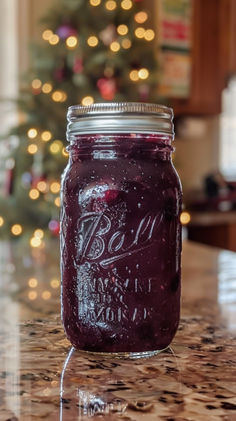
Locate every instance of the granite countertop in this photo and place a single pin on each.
(42, 378)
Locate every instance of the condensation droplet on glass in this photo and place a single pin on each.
(139, 205)
(137, 266)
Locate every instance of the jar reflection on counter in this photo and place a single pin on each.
(120, 236)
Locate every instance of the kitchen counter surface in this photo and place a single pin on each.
(42, 378)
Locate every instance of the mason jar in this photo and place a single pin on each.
(120, 230)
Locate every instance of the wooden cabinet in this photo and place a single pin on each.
(214, 228)
(213, 56)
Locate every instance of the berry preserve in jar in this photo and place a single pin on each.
(120, 230)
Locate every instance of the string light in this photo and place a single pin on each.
(185, 218)
(126, 4)
(141, 17)
(16, 229)
(110, 5)
(95, 2)
(56, 146)
(46, 135)
(54, 283)
(87, 100)
(54, 39)
(32, 295)
(122, 29)
(1, 221)
(55, 187)
(42, 186)
(71, 41)
(36, 84)
(149, 35)
(139, 32)
(33, 194)
(92, 41)
(114, 46)
(59, 96)
(47, 88)
(35, 242)
(46, 295)
(32, 148)
(126, 43)
(134, 75)
(46, 35)
(39, 233)
(143, 73)
(32, 133)
(57, 202)
(64, 151)
(32, 282)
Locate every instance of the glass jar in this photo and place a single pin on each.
(120, 230)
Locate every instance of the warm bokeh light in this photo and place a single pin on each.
(55, 187)
(46, 295)
(39, 233)
(32, 282)
(110, 5)
(134, 75)
(57, 201)
(143, 73)
(36, 84)
(42, 186)
(16, 229)
(141, 17)
(35, 242)
(126, 43)
(32, 133)
(33, 194)
(46, 135)
(64, 151)
(126, 4)
(54, 39)
(32, 295)
(55, 283)
(46, 35)
(185, 218)
(87, 100)
(92, 41)
(122, 29)
(54, 147)
(149, 35)
(115, 46)
(139, 32)
(47, 88)
(59, 96)
(32, 148)
(95, 2)
(1, 221)
(72, 41)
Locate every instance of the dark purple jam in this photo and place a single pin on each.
(120, 243)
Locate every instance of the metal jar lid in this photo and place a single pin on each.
(119, 117)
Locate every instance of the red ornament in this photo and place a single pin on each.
(54, 227)
(144, 92)
(107, 88)
(78, 65)
(60, 74)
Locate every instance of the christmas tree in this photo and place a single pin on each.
(91, 51)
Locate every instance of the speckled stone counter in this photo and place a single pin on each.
(42, 378)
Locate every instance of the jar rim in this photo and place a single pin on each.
(111, 117)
